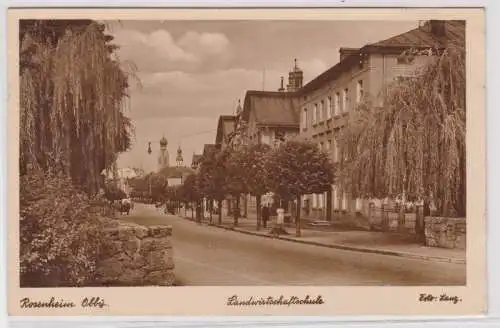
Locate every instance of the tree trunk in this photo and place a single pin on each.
(426, 213)
(220, 211)
(402, 213)
(237, 210)
(329, 204)
(192, 210)
(297, 218)
(259, 212)
(246, 205)
(210, 209)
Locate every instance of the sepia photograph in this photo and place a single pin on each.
(236, 152)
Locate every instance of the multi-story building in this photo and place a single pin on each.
(318, 110)
(225, 129)
(270, 116)
(326, 101)
(273, 116)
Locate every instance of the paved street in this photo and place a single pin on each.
(212, 256)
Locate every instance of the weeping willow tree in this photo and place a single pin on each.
(73, 96)
(413, 144)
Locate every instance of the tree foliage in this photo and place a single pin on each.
(415, 142)
(159, 185)
(212, 177)
(73, 92)
(72, 99)
(298, 168)
(112, 192)
(60, 239)
(190, 189)
(253, 167)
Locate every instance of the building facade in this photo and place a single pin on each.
(361, 74)
(226, 127)
(319, 110)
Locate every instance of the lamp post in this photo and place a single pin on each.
(149, 176)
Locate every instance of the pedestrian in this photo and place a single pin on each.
(265, 215)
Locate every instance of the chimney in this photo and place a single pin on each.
(438, 28)
(282, 88)
(346, 52)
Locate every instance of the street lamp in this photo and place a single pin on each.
(149, 176)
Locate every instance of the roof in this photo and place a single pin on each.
(196, 158)
(271, 108)
(420, 37)
(208, 148)
(225, 126)
(176, 172)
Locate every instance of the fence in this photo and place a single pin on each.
(391, 218)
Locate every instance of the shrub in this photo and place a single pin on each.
(60, 240)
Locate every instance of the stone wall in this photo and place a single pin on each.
(445, 232)
(136, 255)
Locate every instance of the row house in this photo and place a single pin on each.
(270, 117)
(362, 73)
(226, 127)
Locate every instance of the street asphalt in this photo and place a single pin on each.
(210, 256)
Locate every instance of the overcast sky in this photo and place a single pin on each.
(192, 72)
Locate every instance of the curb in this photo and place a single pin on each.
(348, 248)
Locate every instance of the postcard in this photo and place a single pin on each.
(246, 162)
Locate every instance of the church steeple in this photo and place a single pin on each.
(295, 78)
(163, 157)
(179, 160)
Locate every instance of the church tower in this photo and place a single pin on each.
(163, 159)
(295, 78)
(179, 160)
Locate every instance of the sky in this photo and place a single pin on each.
(188, 73)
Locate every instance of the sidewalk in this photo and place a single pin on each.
(386, 243)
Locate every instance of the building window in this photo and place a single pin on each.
(321, 146)
(346, 100)
(335, 151)
(405, 59)
(320, 111)
(336, 109)
(359, 91)
(328, 145)
(304, 119)
(315, 114)
(329, 108)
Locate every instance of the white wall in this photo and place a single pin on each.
(174, 181)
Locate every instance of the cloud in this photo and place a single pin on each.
(209, 94)
(159, 51)
(205, 43)
(312, 68)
